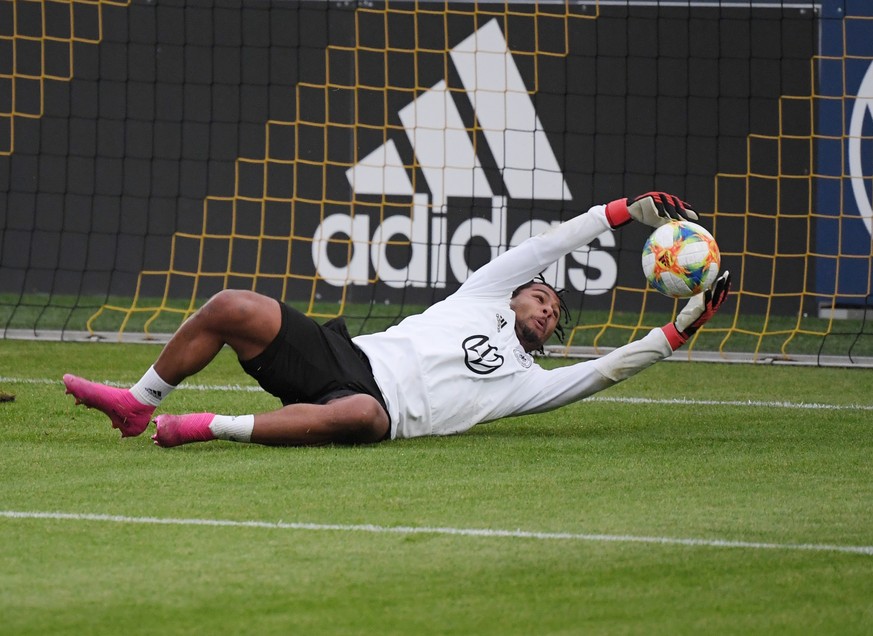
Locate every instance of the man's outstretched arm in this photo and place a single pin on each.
(565, 385)
(520, 264)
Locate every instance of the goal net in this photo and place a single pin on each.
(362, 159)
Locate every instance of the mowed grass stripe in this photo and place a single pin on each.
(462, 532)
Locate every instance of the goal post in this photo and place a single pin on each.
(362, 159)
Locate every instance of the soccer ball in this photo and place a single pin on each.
(681, 259)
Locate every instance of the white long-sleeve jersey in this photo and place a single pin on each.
(460, 363)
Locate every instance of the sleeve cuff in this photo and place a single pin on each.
(617, 213)
(675, 338)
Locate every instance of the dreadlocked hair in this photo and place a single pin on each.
(564, 318)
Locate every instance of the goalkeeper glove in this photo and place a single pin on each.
(698, 310)
(651, 208)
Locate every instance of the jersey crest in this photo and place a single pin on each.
(523, 357)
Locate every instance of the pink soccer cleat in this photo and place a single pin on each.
(175, 430)
(128, 415)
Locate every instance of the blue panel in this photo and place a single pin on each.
(844, 151)
(857, 7)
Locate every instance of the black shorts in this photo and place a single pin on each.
(312, 363)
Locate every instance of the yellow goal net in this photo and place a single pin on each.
(361, 159)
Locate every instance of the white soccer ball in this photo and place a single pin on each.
(681, 259)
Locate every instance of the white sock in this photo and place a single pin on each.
(233, 428)
(151, 389)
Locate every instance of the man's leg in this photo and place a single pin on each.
(352, 419)
(245, 321)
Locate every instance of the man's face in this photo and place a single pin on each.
(537, 311)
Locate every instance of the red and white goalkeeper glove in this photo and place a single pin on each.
(697, 311)
(651, 208)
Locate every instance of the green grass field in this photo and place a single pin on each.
(747, 510)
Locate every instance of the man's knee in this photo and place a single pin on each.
(232, 306)
(245, 320)
(363, 418)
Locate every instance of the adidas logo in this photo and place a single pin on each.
(445, 152)
(154, 393)
(501, 322)
(513, 140)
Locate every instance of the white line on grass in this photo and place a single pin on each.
(246, 388)
(597, 398)
(764, 403)
(462, 532)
